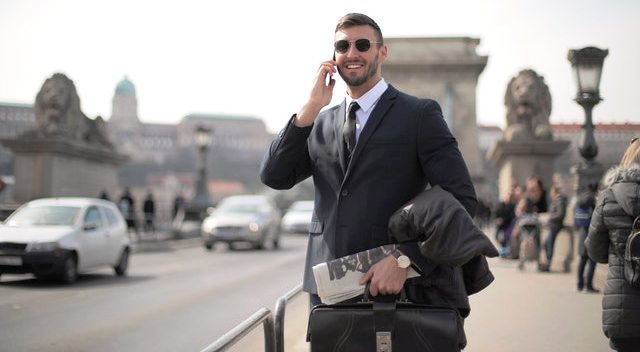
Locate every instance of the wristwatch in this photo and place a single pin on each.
(403, 261)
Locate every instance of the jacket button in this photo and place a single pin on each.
(344, 193)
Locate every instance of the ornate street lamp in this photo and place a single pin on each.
(202, 198)
(587, 68)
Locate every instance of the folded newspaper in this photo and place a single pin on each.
(339, 279)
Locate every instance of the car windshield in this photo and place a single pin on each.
(302, 206)
(44, 216)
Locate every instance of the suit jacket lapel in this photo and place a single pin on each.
(377, 115)
(338, 122)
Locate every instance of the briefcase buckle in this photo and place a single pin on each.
(383, 341)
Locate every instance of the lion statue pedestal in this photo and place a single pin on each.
(519, 160)
(67, 154)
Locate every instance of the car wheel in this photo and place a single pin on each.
(69, 272)
(208, 246)
(123, 263)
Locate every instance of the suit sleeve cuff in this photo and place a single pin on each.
(411, 250)
(292, 128)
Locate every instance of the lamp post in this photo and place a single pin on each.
(202, 198)
(587, 68)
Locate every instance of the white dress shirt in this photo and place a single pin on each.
(366, 102)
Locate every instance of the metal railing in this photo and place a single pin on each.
(273, 327)
(279, 319)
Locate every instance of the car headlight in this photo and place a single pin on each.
(42, 246)
(207, 225)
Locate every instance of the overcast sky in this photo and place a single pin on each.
(258, 58)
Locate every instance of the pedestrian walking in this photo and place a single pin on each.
(585, 204)
(178, 204)
(555, 223)
(104, 195)
(126, 204)
(149, 210)
(617, 205)
(503, 223)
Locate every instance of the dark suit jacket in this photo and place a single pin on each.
(404, 146)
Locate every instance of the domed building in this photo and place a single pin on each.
(143, 142)
(163, 157)
(124, 108)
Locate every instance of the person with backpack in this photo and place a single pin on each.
(617, 206)
(582, 218)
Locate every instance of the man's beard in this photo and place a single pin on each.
(360, 80)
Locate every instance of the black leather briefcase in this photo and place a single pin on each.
(399, 326)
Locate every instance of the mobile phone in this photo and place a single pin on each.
(330, 76)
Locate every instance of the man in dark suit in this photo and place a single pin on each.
(402, 145)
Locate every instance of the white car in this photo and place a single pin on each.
(254, 219)
(61, 237)
(298, 217)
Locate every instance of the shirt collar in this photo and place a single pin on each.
(370, 98)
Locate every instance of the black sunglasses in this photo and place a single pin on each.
(363, 45)
(633, 140)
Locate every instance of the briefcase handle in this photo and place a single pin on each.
(366, 299)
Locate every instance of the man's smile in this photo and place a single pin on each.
(354, 66)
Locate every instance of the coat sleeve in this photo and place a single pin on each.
(441, 159)
(287, 161)
(597, 242)
(476, 275)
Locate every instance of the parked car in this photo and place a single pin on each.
(62, 237)
(297, 218)
(243, 218)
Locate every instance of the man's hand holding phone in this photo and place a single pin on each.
(320, 96)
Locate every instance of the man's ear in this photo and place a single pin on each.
(382, 56)
(384, 51)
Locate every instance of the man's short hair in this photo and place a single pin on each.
(358, 19)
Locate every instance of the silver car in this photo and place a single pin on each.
(61, 237)
(297, 219)
(254, 219)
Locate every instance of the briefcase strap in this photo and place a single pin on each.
(384, 317)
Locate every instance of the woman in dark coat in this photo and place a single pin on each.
(617, 205)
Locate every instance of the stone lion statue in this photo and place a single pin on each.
(528, 104)
(58, 114)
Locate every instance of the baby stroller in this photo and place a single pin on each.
(528, 239)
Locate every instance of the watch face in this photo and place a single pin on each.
(404, 261)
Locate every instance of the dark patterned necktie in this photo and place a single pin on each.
(349, 130)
